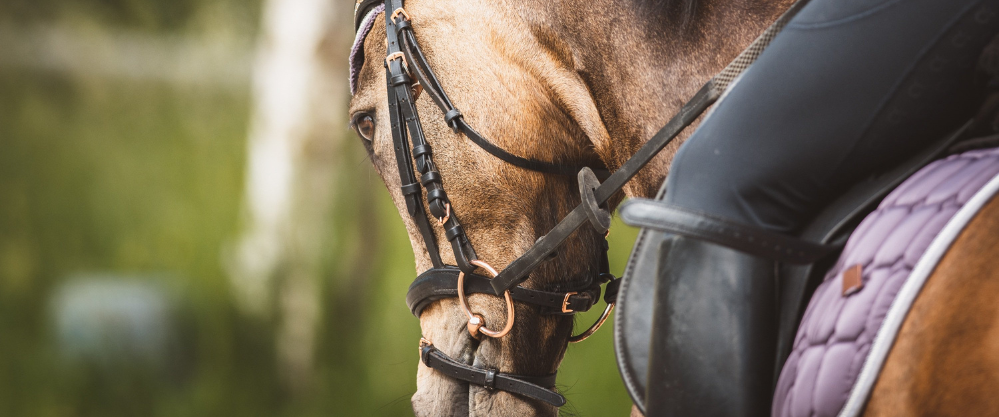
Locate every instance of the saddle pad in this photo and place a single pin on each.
(843, 340)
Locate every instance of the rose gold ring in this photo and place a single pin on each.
(593, 329)
(476, 323)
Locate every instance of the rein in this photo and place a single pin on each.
(408, 74)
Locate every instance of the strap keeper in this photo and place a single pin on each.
(490, 381)
(420, 150)
(403, 25)
(425, 354)
(441, 210)
(410, 189)
(449, 119)
(429, 177)
(400, 79)
(436, 194)
(454, 232)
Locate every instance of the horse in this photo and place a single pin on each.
(588, 84)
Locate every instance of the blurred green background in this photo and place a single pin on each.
(125, 130)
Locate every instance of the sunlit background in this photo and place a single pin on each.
(188, 228)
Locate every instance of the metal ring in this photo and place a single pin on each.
(596, 326)
(475, 321)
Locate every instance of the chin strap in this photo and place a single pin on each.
(440, 283)
(541, 388)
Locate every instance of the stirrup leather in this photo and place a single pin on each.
(664, 217)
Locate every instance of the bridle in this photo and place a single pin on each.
(408, 74)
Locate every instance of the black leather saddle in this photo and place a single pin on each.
(633, 326)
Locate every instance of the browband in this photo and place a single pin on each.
(361, 8)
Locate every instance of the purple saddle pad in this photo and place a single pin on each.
(833, 347)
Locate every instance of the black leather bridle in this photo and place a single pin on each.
(407, 73)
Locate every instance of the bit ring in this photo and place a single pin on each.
(593, 329)
(476, 323)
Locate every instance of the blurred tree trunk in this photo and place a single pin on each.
(299, 116)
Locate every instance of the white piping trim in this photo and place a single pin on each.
(892, 323)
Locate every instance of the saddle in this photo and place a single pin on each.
(804, 260)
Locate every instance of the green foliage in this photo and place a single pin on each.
(107, 176)
(144, 15)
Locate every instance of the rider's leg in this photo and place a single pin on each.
(849, 87)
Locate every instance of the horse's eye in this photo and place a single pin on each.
(364, 124)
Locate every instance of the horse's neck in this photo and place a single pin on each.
(642, 61)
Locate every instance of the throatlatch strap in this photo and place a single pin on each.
(538, 388)
(361, 9)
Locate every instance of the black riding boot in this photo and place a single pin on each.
(713, 345)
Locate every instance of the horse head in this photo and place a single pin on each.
(546, 81)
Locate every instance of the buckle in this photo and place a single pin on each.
(400, 56)
(565, 302)
(400, 11)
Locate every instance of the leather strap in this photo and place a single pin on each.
(401, 38)
(455, 119)
(361, 8)
(540, 388)
(440, 283)
(406, 127)
(755, 241)
(518, 270)
(410, 186)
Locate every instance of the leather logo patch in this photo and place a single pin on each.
(853, 279)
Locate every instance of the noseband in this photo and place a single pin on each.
(408, 74)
